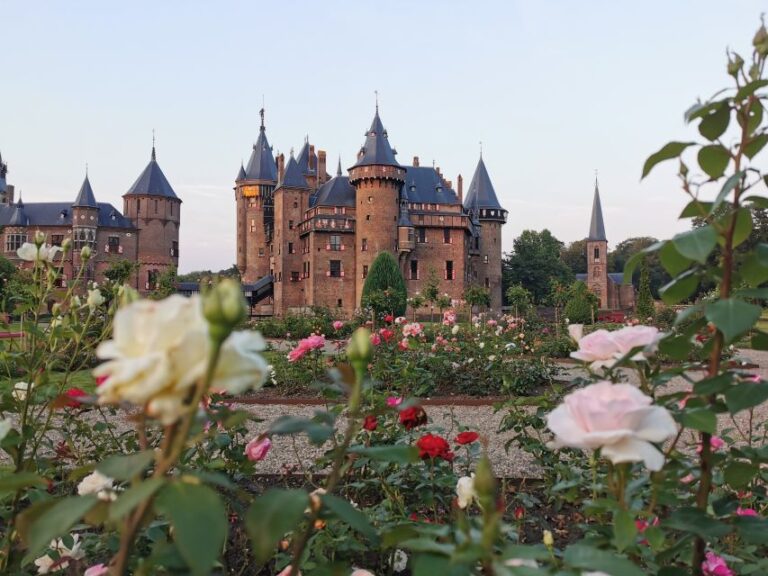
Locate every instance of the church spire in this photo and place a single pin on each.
(338, 168)
(596, 225)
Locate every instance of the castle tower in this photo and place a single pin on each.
(254, 190)
(486, 211)
(85, 224)
(6, 190)
(155, 210)
(377, 178)
(597, 253)
(291, 199)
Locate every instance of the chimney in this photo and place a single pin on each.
(449, 184)
(280, 167)
(440, 174)
(322, 175)
(415, 161)
(460, 186)
(311, 157)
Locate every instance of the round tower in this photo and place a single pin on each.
(85, 224)
(377, 178)
(155, 210)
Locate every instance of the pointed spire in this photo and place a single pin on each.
(481, 194)
(376, 151)
(154, 155)
(596, 225)
(293, 177)
(85, 198)
(241, 174)
(261, 165)
(261, 113)
(338, 168)
(152, 181)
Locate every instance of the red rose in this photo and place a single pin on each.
(72, 397)
(370, 423)
(386, 334)
(431, 446)
(467, 437)
(389, 318)
(413, 417)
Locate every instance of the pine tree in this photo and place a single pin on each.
(645, 308)
(384, 288)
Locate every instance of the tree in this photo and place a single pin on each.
(415, 302)
(384, 288)
(582, 304)
(519, 298)
(120, 271)
(618, 257)
(432, 292)
(166, 284)
(7, 273)
(575, 256)
(534, 262)
(558, 297)
(645, 307)
(476, 295)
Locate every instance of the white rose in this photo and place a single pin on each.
(5, 427)
(399, 561)
(99, 484)
(20, 390)
(634, 336)
(599, 348)
(465, 491)
(95, 299)
(521, 562)
(455, 329)
(617, 418)
(576, 332)
(30, 253)
(46, 563)
(481, 345)
(240, 366)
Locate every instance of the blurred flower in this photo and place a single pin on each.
(715, 565)
(617, 418)
(73, 395)
(400, 320)
(455, 329)
(432, 446)
(31, 253)
(746, 512)
(403, 345)
(465, 491)
(412, 329)
(547, 539)
(386, 334)
(715, 443)
(399, 561)
(598, 348)
(467, 437)
(20, 390)
(287, 571)
(521, 562)
(389, 318)
(306, 345)
(370, 423)
(95, 299)
(97, 570)
(412, 417)
(258, 448)
(5, 426)
(46, 564)
(99, 484)
(394, 401)
(338, 324)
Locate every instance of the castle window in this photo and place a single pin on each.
(364, 246)
(449, 273)
(447, 236)
(335, 243)
(294, 276)
(365, 271)
(421, 218)
(421, 235)
(280, 276)
(290, 224)
(253, 225)
(295, 204)
(338, 303)
(261, 252)
(485, 259)
(57, 239)
(477, 243)
(414, 269)
(155, 206)
(290, 248)
(138, 205)
(152, 279)
(14, 241)
(113, 244)
(487, 283)
(174, 249)
(370, 199)
(597, 254)
(335, 269)
(367, 216)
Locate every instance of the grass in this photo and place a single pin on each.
(80, 379)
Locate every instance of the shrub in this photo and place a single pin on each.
(384, 289)
(645, 308)
(581, 305)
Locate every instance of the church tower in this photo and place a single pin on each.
(254, 194)
(486, 211)
(155, 210)
(597, 252)
(377, 178)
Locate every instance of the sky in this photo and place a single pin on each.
(553, 89)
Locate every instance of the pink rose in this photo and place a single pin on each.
(412, 329)
(598, 348)
(714, 565)
(257, 449)
(617, 418)
(715, 443)
(287, 571)
(375, 339)
(746, 511)
(394, 401)
(338, 324)
(633, 336)
(97, 570)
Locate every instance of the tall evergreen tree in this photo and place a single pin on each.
(384, 288)
(645, 308)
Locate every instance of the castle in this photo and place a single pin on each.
(146, 232)
(312, 237)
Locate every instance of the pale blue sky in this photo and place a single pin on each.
(554, 89)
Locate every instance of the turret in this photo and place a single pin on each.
(597, 252)
(377, 178)
(85, 224)
(156, 211)
(485, 211)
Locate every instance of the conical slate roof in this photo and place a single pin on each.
(336, 192)
(596, 225)
(85, 197)
(405, 218)
(152, 181)
(293, 178)
(481, 194)
(376, 150)
(18, 217)
(304, 160)
(240, 174)
(261, 165)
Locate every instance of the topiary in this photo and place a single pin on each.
(384, 289)
(645, 309)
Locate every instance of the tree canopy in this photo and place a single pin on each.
(534, 262)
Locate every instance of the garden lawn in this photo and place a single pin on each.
(80, 379)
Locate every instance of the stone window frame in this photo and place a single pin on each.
(14, 241)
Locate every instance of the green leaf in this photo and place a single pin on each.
(750, 89)
(199, 522)
(752, 529)
(586, 557)
(714, 385)
(57, 520)
(15, 481)
(728, 186)
(696, 244)
(754, 269)
(676, 347)
(679, 289)
(713, 160)
(755, 145)
(743, 226)
(696, 522)
(624, 530)
(132, 497)
(396, 454)
(126, 467)
(715, 123)
(271, 516)
(702, 419)
(732, 317)
(673, 262)
(667, 152)
(746, 395)
(757, 201)
(739, 474)
(696, 209)
(432, 564)
(759, 340)
(349, 515)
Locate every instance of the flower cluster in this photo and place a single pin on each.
(432, 447)
(305, 346)
(603, 348)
